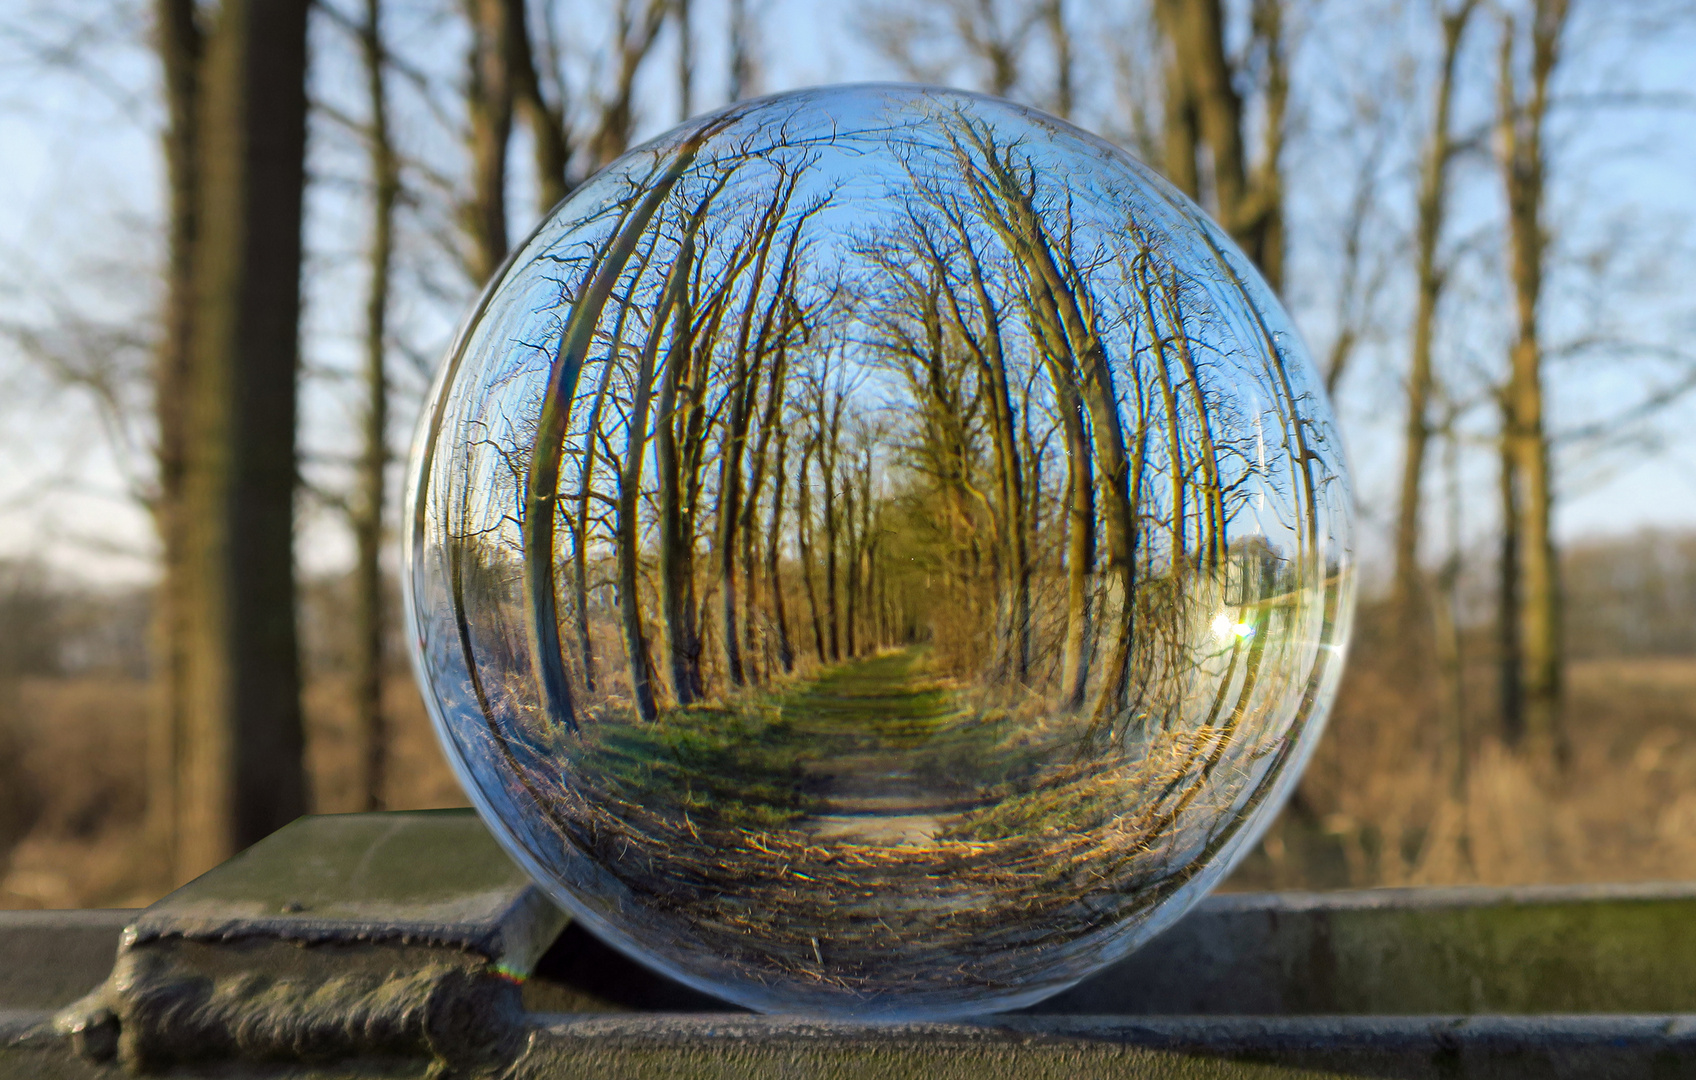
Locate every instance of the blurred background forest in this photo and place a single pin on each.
(235, 237)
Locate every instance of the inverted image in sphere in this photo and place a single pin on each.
(878, 552)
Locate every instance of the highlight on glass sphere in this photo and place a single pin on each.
(878, 552)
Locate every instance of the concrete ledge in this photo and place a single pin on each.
(1542, 949)
(353, 937)
(1069, 1048)
(51, 958)
(391, 945)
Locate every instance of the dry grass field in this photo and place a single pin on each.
(71, 784)
(1382, 804)
(1386, 800)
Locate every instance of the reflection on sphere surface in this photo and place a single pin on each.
(878, 552)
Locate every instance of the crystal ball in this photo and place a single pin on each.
(878, 552)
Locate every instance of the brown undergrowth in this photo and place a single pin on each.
(1379, 806)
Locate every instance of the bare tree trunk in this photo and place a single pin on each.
(827, 469)
(627, 532)
(752, 624)
(636, 32)
(550, 133)
(1060, 35)
(586, 496)
(743, 391)
(774, 577)
(1010, 469)
(743, 77)
(677, 537)
(1080, 547)
(489, 101)
(1066, 325)
(1214, 544)
(868, 548)
(180, 45)
(803, 535)
(1524, 167)
(1259, 217)
(1433, 183)
(685, 62)
(1446, 619)
(369, 629)
(243, 776)
(1510, 660)
(851, 551)
(541, 484)
(585, 500)
(1205, 108)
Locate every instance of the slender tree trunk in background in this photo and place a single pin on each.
(1080, 543)
(374, 458)
(635, 40)
(1181, 129)
(179, 43)
(742, 74)
(550, 134)
(804, 536)
(1009, 469)
(627, 530)
(677, 539)
(685, 62)
(1258, 221)
(243, 775)
(774, 577)
(1524, 167)
(868, 544)
(1428, 230)
(827, 469)
(1060, 36)
(1204, 108)
(489, 103)
(1509, 652)
(1446, 620)
(851, 553)
(582, 518)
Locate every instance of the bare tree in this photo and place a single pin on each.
(242, 776)
(993, 38)
(743, 76)
(638, 26)
(1207, 125)
(180, 43)
(367, 516)
(1532, 709)
(489, 105)
(1428, 276)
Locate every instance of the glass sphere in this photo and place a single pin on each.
(878, 552)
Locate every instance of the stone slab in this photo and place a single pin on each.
(432, 877)
(381, 937)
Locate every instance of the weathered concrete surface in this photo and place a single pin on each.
(742, 1047)
(51, 958)
(388, 937)
(381, 945)
(1545, 949)
(1076, 1047)
(1542, 949)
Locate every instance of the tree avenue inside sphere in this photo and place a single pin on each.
(879, 552)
